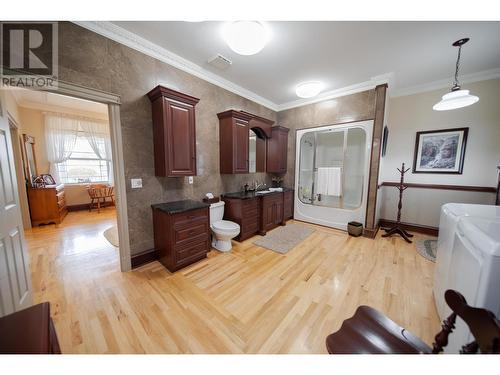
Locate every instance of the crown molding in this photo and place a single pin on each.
(348, 90)
(446, 83)
(129, 39)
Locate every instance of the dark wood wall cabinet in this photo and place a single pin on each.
(257, 214)
(277, 150)
(47, 204)
(233, 141)
(181, 233)
(271, 148)
(174, 132)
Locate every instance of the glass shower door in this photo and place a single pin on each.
(306, 168)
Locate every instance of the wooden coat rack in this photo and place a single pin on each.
(397, 228)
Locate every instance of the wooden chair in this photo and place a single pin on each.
(371, 332)
(98, 194)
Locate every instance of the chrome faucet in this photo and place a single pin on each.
(257, 185)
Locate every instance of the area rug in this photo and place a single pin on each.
(111, 234)
(283, 239)
(427, 248)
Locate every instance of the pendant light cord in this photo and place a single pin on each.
(457, 67)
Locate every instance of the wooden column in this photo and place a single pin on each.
(371, 226)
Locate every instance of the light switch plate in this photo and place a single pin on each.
(136, 183)
(190, 179)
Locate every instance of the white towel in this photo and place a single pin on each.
(329, 181)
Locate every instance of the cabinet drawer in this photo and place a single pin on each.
(190, 232)
(250, 204)
(250, 225)
(190, 217)
(184, 254)
(61, 196)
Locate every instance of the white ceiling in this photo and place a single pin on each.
(340, 54)
(46, 101)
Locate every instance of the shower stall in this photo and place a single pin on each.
(332, 168)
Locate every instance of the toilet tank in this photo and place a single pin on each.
(216, 211)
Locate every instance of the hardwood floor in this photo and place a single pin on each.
(250, 300)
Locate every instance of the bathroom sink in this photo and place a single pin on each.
(263, 192)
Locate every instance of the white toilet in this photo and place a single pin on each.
(222, 230)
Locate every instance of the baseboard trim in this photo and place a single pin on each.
(78, 207)
(371, 233)
(146, 256)
(424, 229)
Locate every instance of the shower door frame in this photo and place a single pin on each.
(304, 211)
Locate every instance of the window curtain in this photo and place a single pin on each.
(97, 134)
(60, 138)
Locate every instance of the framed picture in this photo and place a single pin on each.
(440, 151)
(48, 179)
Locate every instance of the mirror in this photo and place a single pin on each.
(29, 158)
(252, 152)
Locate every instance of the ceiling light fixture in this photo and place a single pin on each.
(245, 37)
(457, 98)
(308, 89)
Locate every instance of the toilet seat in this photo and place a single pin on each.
(225, 226)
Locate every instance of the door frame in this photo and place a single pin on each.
(113, 102)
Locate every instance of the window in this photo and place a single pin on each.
(83, 166)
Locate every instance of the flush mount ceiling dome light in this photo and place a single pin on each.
(245, 37)
(457, 98)
(308, 89)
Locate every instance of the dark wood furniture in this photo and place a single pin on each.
(233, 141)
(29, 331)
(277, 150)
(181, 232)
(371, 332)
(47, 204)
(271, 212)
(288, 205)
(398, 228)
(256, 214)
(174, 132)
(98, 193)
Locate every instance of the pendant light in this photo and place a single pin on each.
(457, 98)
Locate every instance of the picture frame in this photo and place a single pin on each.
(440, 151)
(48, 179)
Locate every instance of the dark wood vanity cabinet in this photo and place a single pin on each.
(271, 212)
(288, 205)
(246, 213)
(174, 132)
(277, 150)
(181, 237)
(233, 141)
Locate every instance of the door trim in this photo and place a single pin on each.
(113, 102)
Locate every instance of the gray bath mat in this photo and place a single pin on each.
(427, 248)
(283, 239)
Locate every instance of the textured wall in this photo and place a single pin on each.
(355, 107)
(94, 61)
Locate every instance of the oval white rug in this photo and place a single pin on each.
(111, 234)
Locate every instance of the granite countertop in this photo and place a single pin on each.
(251, 194)
(179, 206)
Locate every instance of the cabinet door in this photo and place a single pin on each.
(267, 213)
(240, 155)
(283, 145)
(181, 139)
(278, 218)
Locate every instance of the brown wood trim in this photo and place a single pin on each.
(480, 189)
(144, 257)
(425, 229)
(370, 233)
(78, 207)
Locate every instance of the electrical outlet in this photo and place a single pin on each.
(190, 179)
(136, 183)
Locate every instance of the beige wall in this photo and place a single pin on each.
(412, 113)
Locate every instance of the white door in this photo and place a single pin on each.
(15, 280)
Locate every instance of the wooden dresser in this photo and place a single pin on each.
(47, 205)
(181, 232)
